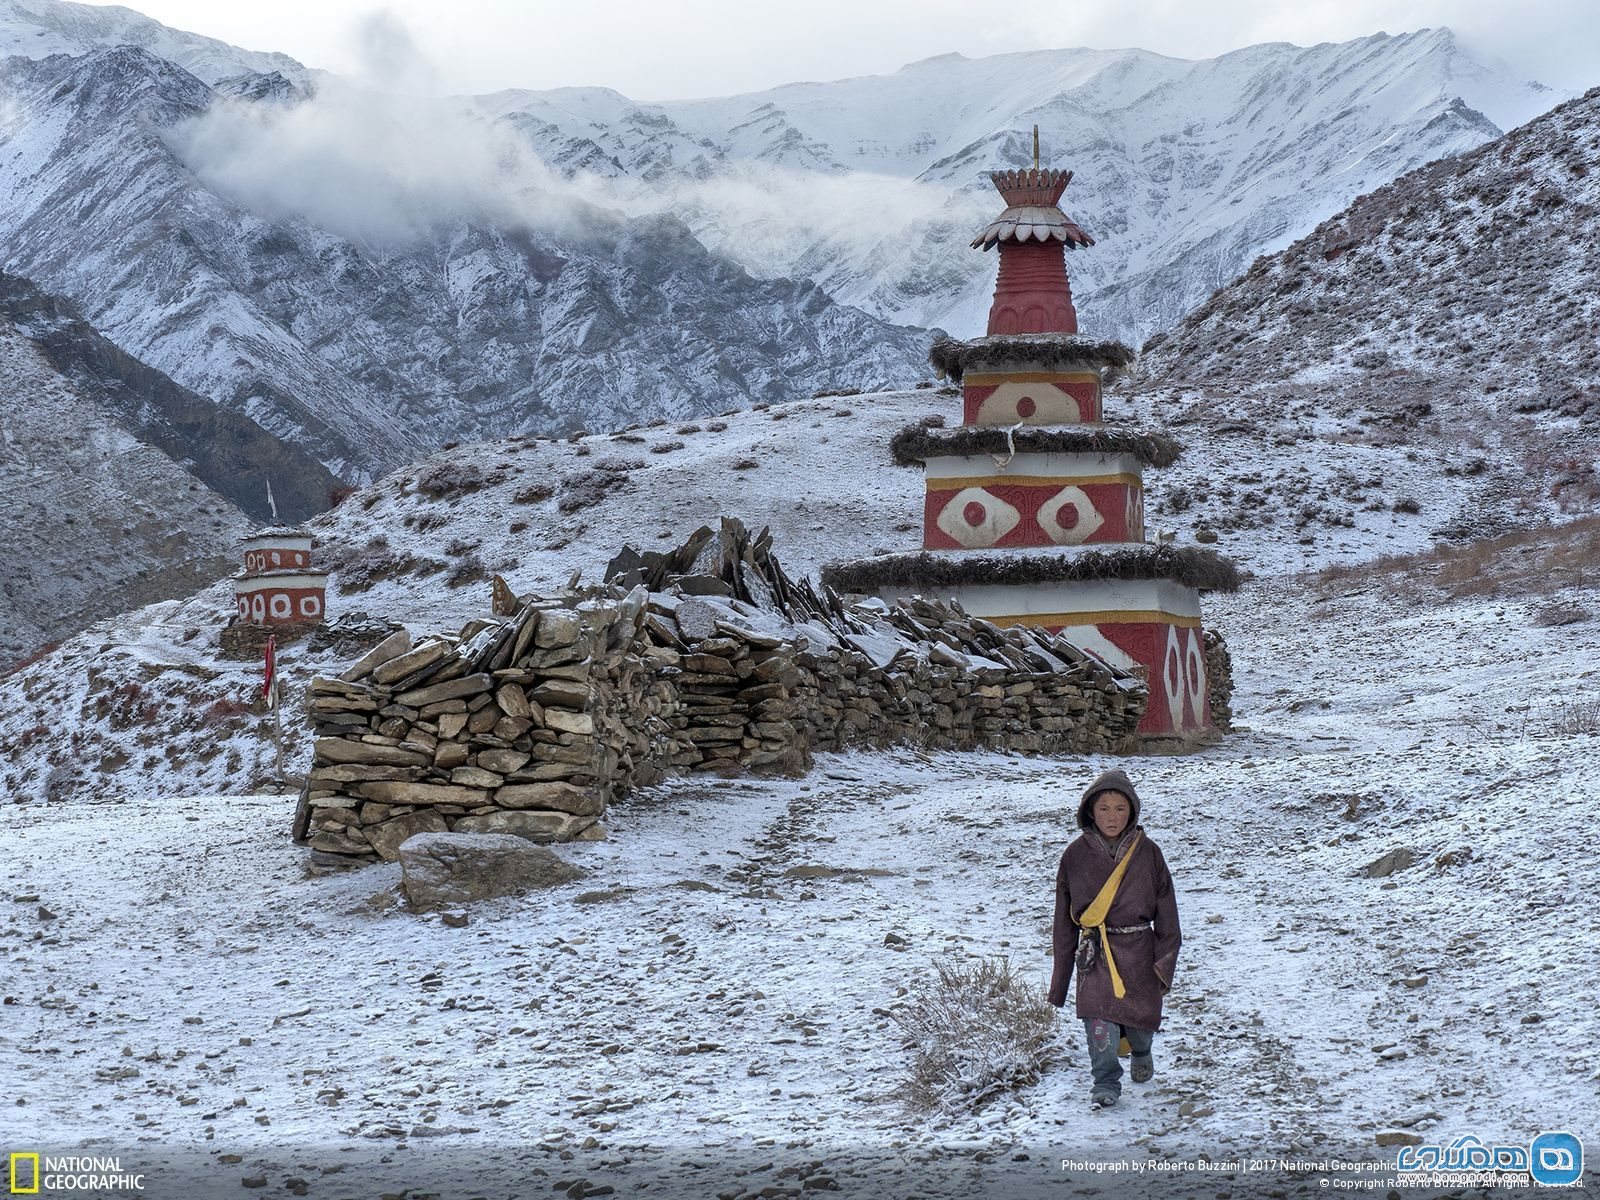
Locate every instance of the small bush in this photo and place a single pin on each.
(467, 570)
(428, 521)
(977, 1032)
(1563, 718)
(533, 493)
(220, 712)
(1552, 615)
(450, 478)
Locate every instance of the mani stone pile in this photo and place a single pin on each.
(705, 658)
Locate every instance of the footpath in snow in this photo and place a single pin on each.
(709, 1011)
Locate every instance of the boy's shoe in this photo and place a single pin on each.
(1102, 1099)
(1143, 1068)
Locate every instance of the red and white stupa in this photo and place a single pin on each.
(1034, 506)
(278, 585)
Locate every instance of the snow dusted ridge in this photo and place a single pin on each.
(1185, 171)
(1441, 327)
(93, 521)
(40, 28)
(369, 277)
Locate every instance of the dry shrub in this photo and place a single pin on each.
(453, 477)
(1515, 565)
(1566, 718)
(977, 1032)
(1552, 615)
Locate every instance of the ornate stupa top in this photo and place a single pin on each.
(1032, 212)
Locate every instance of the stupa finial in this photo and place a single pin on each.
(1035, 147)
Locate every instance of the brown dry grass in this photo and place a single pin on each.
(1514, 566)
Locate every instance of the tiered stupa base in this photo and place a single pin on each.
(1034, 515)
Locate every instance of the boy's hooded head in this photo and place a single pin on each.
(1114, 780)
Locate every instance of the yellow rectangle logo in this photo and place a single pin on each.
(16, 1188)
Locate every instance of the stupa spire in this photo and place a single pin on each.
(1032, 294)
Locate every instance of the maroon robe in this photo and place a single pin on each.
(1146, 959)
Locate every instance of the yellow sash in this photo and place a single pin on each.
(1094, 917)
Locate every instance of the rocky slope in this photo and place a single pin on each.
(40, 28)
(118, 487)
(92, 520)
(1450, 315)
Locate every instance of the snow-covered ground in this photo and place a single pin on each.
(703, 1016)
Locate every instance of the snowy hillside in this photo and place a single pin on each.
(1445, 323)
(117, 486)
(93, 521)
(40, 28)
(711, 1008)
(1185, 171)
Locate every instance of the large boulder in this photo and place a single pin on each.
(441, 870)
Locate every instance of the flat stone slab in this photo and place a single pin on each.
(443, 870)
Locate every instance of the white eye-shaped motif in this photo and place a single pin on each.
(1196, 671)
(1069, 517)
(1172, 677)
(974, 518)
(1034, 403)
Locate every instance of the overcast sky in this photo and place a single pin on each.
(684, 48)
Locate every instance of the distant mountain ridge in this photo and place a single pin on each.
(369, 354)
(40, 28)
(681, 259)
(1185, 171)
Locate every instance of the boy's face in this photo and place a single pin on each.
(1111, 813)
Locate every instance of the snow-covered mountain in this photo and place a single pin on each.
(420, 309)
(93, 519)
(1449, 316)
(1185, 170)
(40, 28)
(370, 276)
(117, 486)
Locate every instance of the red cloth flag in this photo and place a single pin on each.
(271, 669)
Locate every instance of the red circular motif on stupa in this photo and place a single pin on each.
(1026, 407)
(1067, 516)
(975, 513)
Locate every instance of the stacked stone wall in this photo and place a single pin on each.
(533, 724)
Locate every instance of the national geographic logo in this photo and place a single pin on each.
(33, 1174)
